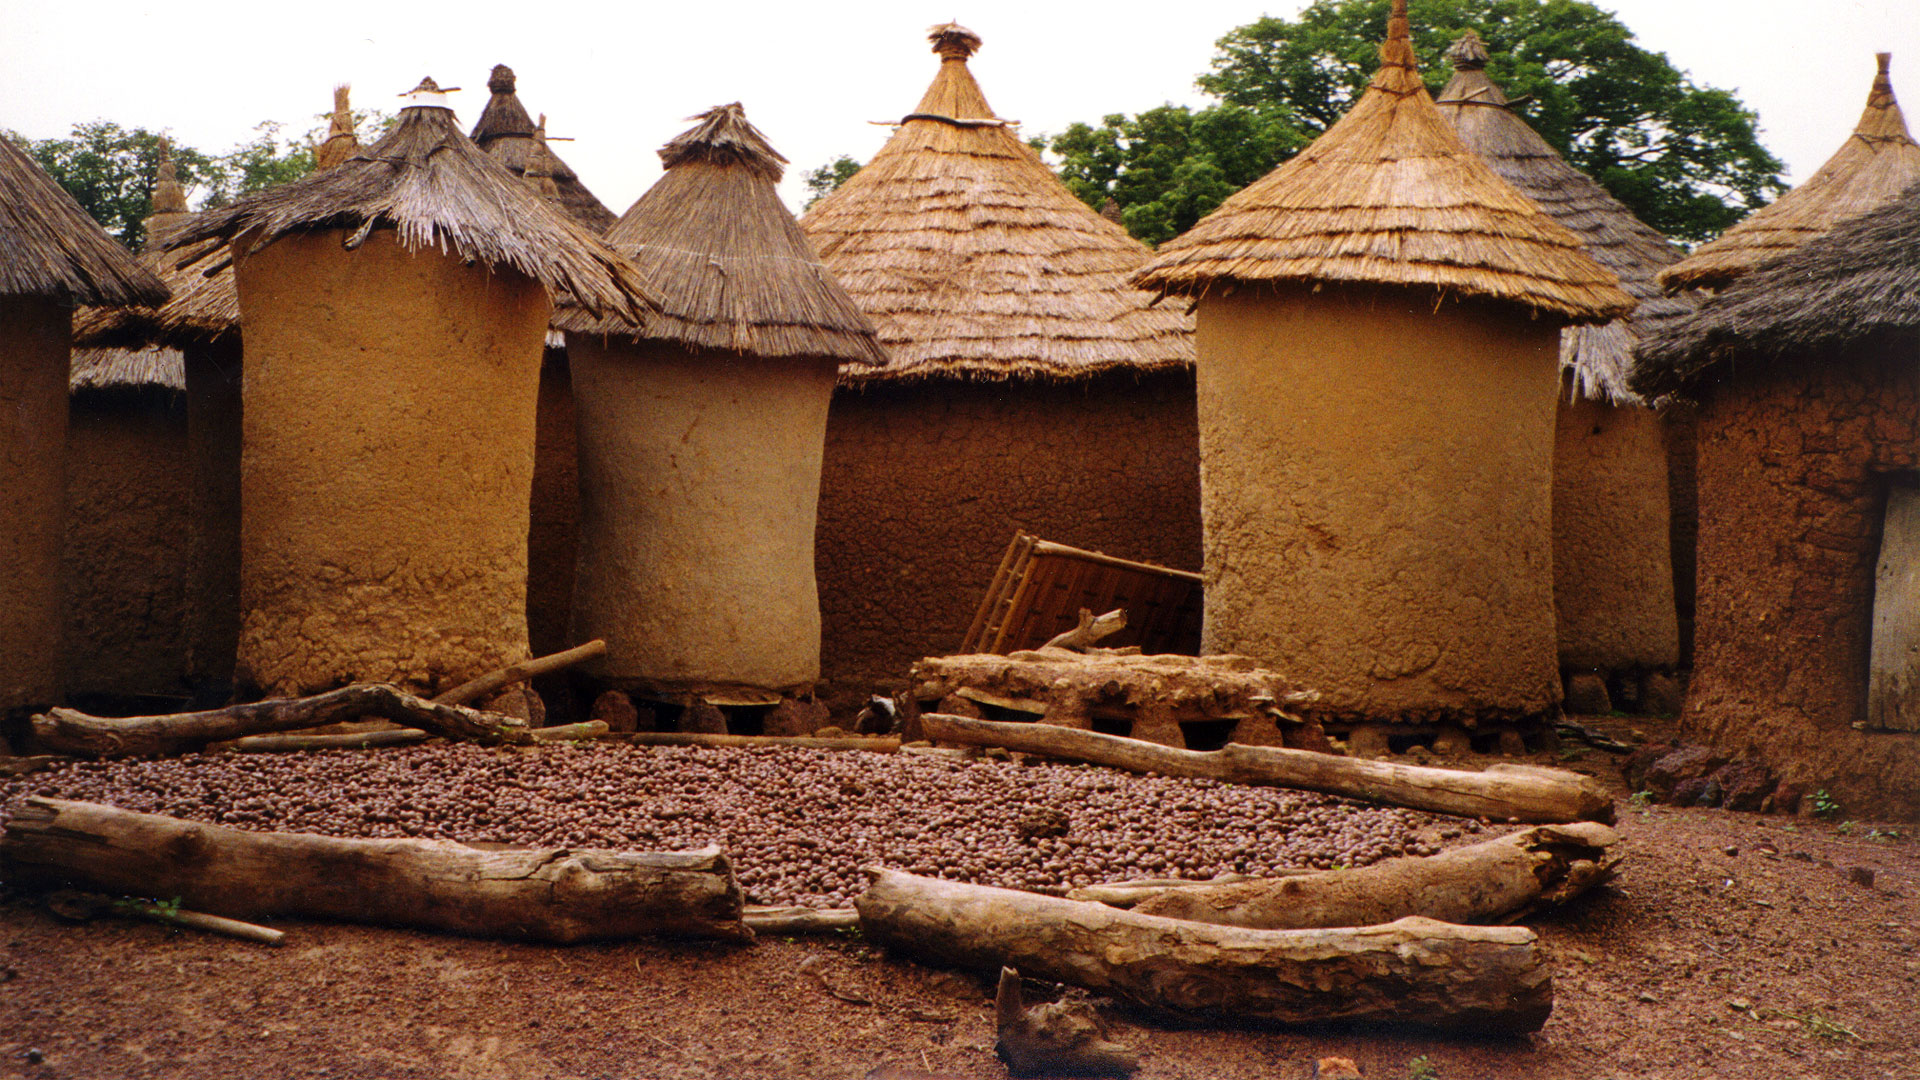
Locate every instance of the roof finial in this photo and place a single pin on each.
(168, 196)
(1469, 53)
(1882, 93)
(951, 41)
(428, 95)
(340, 143)
(1397, 50)
(341, 122)
(501, 81)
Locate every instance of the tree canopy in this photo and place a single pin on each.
(822, 181)
(1685, 158)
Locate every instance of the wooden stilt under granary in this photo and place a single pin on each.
(1613, 583)
(1377, 350)
(390, 387)
(52, 258)
(701, 430)
(1031, 390)
(1807, 375)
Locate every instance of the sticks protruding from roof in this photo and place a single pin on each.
(724, 137)
(1876, 163)
(50, 248)
(951, 41)
(1389, 195)
(736, 272)
(341, 142)
(436, 189)
(1469, 53)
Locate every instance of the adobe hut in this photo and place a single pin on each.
(1876, 163)
(1377, 343)
(52, 258)
(1807, 374)
(394, 309)
(1613, 581)
(701, 432)
(1031, 388)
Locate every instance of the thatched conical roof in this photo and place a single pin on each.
(1389, 195)
(50, 248)
(733, 266)
(1857, 286)
(505, 131)
(340, 143)
(1597, 356)
(429, 183)
(169, 200)
(973, 260)
(1877, 163)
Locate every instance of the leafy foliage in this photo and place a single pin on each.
(822, 181)
(1685, 158)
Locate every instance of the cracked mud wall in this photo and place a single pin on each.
(1377, 486)
(387, 464)
(213, 451)
(699, 486)
(927, 481)
(1612, 556)
(35, 344)
(1792, 496)
(128, 534)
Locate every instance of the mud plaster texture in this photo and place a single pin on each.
(553, 532)
(1683, 531)
(1612, 557)
(927, 481)
(387, 464)
(1792, 496)
(699, 484)
(128, 535)
(213, 450)
(35, 343)
(1376, 478)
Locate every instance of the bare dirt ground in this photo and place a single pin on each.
(1733, 945)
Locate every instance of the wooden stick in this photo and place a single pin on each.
(1503, 792)
(798, 920)
(559, 733)
(1089, 631)
(214, 924)
(532, 894)
(475, 689)
(1415, 971)
(883, 744)
(361, 740)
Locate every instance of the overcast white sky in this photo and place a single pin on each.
(620, 77)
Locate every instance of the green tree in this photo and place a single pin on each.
(822, 181)
(1685, 158)
(110, 170)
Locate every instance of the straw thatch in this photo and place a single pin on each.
(505, 131)
(1596, 357)
(119, 369)
(429, 183)
(1856, 287)
(973, 260)
(1875, 165)
(340, 142)
(1391, 196)
(50, 248)
(735, 268)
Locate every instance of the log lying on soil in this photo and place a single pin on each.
(884, 744)
(1497, 881)
(551, 895)
(1413, 971)
(798, 920)
(357, 740)
(1503, 792)
(65, 731)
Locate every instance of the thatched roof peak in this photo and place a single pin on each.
(1856, 288)
(1596, 357)
(50, 248)
(436, 189)
(168, 196)
(504, 117)
(1390, 195)
(951, 41)
(953, 95)
(1876, 163)
(724, 137)
(736, 272)
(500, 80)
(506, 131)
(341, 142)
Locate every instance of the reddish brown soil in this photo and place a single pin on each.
(1763, 962)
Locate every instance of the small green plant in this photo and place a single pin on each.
(1822, 1027)
(1886, 835)
(1824, 804)
(1845, 828)
(1421, 1068)
(1641, 801)
(164, 909)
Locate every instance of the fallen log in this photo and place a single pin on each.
(883, 744)
(1502, 792)
(1054, 1038)
(798, 920)
(66, 731)
(1126, 894)
(550, 895)
(1499, 881)
(1413, 971)
(357, 740)
(475, 689)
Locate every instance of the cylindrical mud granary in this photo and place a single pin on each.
(394, 310)
(1377, 343)
(52, 258)
(701, 433)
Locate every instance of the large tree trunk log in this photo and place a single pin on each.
(552, 895)
(64, 731)
(1501, 880)
(1503, 792)
(1414, 971)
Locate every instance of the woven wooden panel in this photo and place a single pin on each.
(1041, 586)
